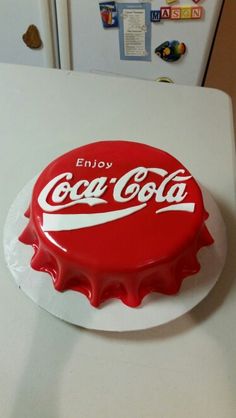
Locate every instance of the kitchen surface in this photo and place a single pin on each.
(53, 369)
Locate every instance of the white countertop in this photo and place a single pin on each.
(50, 369)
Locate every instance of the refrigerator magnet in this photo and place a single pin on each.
(165, 12)
(108, 13)
(134, 31)
(171, 51)
(155, 16)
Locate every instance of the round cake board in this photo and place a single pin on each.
(112, 315)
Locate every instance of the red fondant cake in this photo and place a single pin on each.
(116, 219)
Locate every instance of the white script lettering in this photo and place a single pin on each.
(128, 187)
(81, 162)
(170, 188)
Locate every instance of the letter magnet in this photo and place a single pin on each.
(155, 15)
(165, 12)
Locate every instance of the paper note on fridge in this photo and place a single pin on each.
(135, 31)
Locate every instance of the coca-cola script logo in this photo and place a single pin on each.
(125, 189)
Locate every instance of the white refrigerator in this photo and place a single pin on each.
(85, 45)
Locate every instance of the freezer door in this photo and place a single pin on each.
(34, 22)
(96, 49)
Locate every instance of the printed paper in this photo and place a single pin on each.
(135, 31)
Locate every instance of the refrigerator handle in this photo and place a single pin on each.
(63, 34)
(49, 52)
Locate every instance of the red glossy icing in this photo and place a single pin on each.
(124, 258)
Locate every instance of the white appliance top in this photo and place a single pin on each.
(52, 369)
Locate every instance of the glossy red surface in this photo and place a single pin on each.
(123, 248)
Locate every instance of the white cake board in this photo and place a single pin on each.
(113, 315)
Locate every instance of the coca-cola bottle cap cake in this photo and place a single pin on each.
(116, 219)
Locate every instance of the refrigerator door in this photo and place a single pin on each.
(96, 49)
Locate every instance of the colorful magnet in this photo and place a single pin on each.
(109, 14)
(197, 12)
(155, 15)
(171, 1)
(171, 51)
(186, 12)
(196, 1)
(175, 13)
(165, 12)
